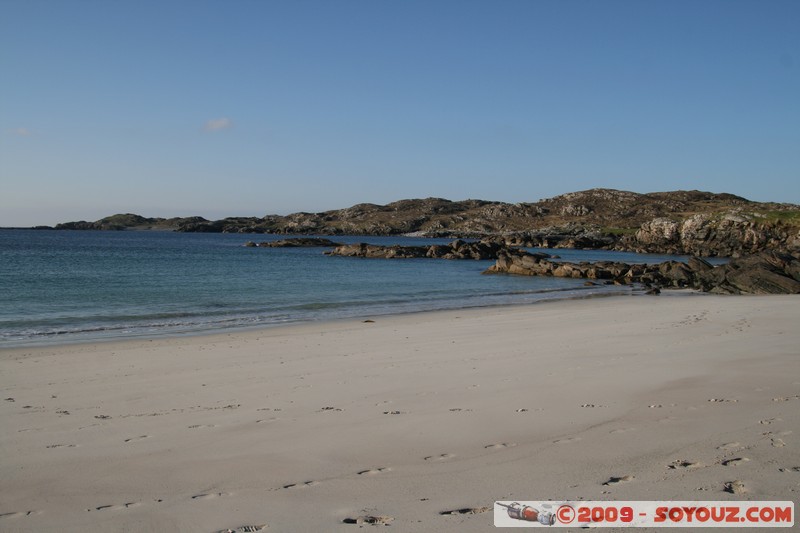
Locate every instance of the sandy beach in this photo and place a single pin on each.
(424, 419)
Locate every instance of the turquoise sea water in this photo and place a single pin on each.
(69, 286)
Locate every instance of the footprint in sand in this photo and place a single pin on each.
(373, 471)
(500, 445)
(622, 430)
(786, 398)
(466, 510)
(116, 507)
(441, 457)
(617, 480)
(19, 514)
(62, 446)
(140, 437)
(729, 446)
(369, 519)
(734, 487)
(722, 400)
(199, 426)
(737, 461)
(682, 463)
(567, 440)
(777, 443)
(768, 421)
(267, 420)
(302, 485)
(791, 469)
(210, 495)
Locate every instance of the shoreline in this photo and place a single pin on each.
(410, 416)
(59, 339)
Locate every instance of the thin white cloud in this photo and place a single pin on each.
(22, 132)
(217, 124)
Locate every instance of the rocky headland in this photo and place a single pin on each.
(680, 222)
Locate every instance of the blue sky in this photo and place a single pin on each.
(245, 107)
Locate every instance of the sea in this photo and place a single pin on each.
(75, 286)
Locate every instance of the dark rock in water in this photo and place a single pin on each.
(762, 273)
(381, 252)
(299, 242)
(458, 249)
(466, 250)
(655, 291)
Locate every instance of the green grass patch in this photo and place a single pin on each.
(788, 217)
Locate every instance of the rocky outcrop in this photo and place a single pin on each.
(298, 242)
(571, 235)
(730, 235)
(457, 249)
(762, 273)
(379, 252)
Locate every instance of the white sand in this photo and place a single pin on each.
(305, 426)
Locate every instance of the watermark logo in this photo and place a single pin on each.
(643, 514)
(527, 513)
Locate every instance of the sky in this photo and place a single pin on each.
(254, 107)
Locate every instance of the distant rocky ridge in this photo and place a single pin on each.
(683, 222)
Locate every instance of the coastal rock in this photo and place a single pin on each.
(699, 265)
(658, 232)
(298, 242)
(382, 252)
(704, 234)
(762, 273)
(458, 249)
